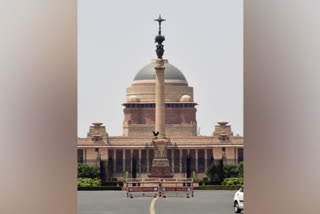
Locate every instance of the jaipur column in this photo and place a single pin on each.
(160, 98)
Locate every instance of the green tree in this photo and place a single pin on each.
(220, 172)
(231, 170)
(212, 173)
(240, 169)
(103, 172)
(85, 171)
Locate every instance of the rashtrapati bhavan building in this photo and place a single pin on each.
(131, 155)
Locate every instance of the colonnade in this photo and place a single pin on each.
(140, 159)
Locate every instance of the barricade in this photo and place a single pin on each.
(162, 187)
(142, 191)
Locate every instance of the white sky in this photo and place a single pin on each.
(204, 39)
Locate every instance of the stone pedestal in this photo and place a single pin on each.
(160, 163)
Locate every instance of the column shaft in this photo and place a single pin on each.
(160, 98)
(172, 160)
(131, 157)
(196, 157)
(139, 161)
(114, 160)
(124, 161)
(205, 159)
(180, 161)
(147, 151)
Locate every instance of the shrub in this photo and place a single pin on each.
(120, 183)
(89, 182)
(215, 173)
(211, 172)
(232, 181)
(231, 171)
(113, 188)
(200, 183)
(86, 171)
(205, 180)
(218, 187)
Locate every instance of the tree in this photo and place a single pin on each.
(103, 172)
(240, 169)
(85, 171)
(212, 173)
(220, 171)
(231, 170)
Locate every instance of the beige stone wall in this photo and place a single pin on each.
(217, 153)
(222, 130)
(230, 153)
(171, 129)
(97, 129)
(147, 93)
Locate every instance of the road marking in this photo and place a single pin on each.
(152, 206)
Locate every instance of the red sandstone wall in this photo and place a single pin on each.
(147, 115)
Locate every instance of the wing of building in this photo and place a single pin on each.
(131, 155)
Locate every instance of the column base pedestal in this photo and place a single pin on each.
(160, 169)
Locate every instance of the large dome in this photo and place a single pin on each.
(171, 73)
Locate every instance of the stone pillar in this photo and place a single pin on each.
(139, 161)
(217, 154)
(85, 156)
(124, 161)
(104, 154)
(205, 159)
(172, 160)
(160, 98)
(230, 154)
(196, 157)
(180, 161)
(114, 160)
(131, 157)
(147, 151)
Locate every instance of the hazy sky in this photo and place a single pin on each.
(204, 39)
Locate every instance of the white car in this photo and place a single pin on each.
(238, 201)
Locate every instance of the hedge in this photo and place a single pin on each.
(99, 188)
(218, 187)
(232, 181)
(89, 182)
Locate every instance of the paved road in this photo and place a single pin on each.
(116, 202)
